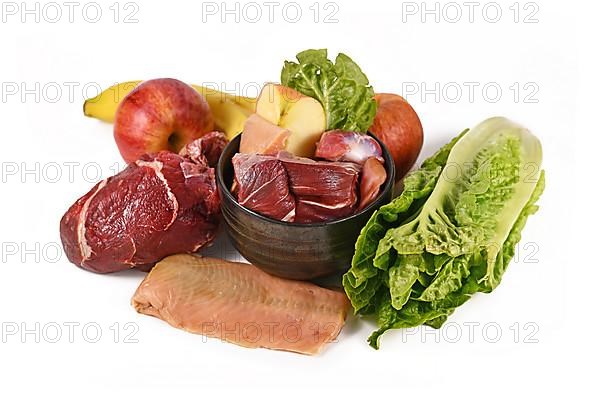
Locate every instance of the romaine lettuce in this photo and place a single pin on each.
(452, 231)
(342, 88)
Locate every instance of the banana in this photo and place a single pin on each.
(229, 111)
(104, 106)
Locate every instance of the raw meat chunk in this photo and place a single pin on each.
(206, 151)
(159, 205)
(372, 177)
(261, 184)
(296, 189)
(347, 146)
(324, 191)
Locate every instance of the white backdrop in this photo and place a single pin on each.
(72, 334)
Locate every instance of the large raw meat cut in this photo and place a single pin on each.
(161, 204)
(239, 303)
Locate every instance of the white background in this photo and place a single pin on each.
(544, 293)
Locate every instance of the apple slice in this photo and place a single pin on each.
(289, 109)
(262, 137)
(273, 101)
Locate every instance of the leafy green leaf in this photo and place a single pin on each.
(452, 231)
(402, 276)
(363, 279)
(448, 280)
(342, 88)
(508, 248)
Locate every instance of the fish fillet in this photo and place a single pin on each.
(239, 303)
(262, 137)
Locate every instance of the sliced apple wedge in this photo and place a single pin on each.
(303, 116)
(262, 136)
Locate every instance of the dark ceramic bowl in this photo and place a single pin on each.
(293, 250)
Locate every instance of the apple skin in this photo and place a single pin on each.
(398, 126)
(288, 94)
(160, 114)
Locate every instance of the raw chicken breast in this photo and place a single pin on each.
(240, 303)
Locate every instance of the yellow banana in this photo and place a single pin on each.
(104, 106)
(229, 111)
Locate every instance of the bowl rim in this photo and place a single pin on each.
(388, 186)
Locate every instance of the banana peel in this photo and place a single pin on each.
(229, 111)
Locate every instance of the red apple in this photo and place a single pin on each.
(160, 114)
(398, 126)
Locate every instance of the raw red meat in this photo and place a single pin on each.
(159, 205)
(261, 184)
(372, 177)
(324, 190)
(296, 189)
(207, 150)
(347, 146)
